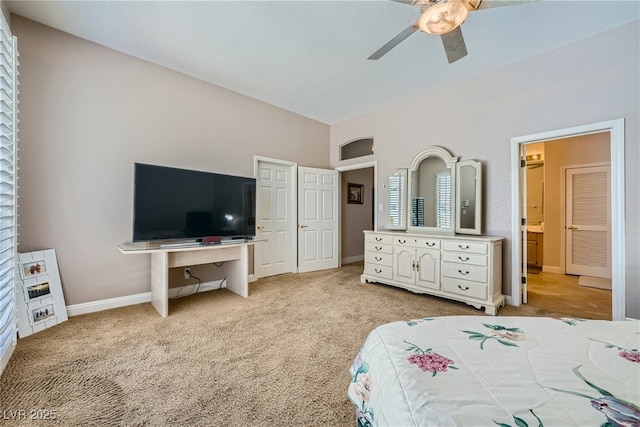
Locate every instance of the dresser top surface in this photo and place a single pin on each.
(466, 237)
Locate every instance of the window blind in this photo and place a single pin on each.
(8, 193)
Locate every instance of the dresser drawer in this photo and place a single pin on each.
(381, 271)
(378, 248)
(425, 242)
(465, 246)
(465, 258)
(417, 242)
(379, 258)
(465, 272)
(462, 287)
(378, 238)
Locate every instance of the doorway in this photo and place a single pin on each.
(356, 213)
(615, 130)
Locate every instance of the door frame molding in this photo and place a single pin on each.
(364, 165)
(371, 164)
(618, 261)
(293, 205)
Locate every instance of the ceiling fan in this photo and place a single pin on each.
(440, 17)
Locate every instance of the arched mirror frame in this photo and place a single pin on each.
(413, 171)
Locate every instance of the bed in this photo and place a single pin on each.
(505, 371)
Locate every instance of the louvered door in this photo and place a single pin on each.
(588, 221)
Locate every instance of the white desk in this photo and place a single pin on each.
(164, 258)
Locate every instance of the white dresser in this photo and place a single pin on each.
(462, 268)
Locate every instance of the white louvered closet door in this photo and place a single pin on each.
(8, 192)
(588, 221)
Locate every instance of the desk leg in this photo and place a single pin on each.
(238, 273)
(160, 282)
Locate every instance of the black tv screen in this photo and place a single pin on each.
(171, 203)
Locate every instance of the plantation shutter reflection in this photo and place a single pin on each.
(8, 198)
(443, 200)
(396, 188)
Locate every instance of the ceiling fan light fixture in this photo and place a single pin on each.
(443, 16)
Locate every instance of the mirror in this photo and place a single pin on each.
(436, 194)
(396, 195)
(468, 200)
(432, 178)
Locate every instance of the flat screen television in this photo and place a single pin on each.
(180, 204)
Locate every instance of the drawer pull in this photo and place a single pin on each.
(377, 270)
(466, 288)
(402, 242)
(464, 248)
(378, 239)
(431, 244)
(378, 258)
(378, 248)
(464, 273)
(463, 259)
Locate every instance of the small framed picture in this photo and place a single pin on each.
(42, 313)
(354, 193)
(33, 268)
(36, 291)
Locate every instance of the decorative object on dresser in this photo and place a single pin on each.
(420, 250)
(39, 295)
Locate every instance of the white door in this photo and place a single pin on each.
(523, 224)
(275, 218)
(588, 221)
(317, 219)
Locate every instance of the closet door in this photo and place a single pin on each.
(275, 217)
(317, 219)
(588, 221)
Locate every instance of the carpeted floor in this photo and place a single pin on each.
(278, 358)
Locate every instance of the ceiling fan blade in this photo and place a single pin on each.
(454, 45)
(394, 41)
(489, 4)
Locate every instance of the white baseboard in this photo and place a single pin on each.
(107, 304)
(349, 260)
(507, 300)
(551, 269)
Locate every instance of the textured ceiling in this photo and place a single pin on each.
(309, 57)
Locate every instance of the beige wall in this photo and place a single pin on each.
(87, 113)
(591, 81)
(560, 154)
(355, 217)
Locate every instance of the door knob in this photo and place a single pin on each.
(571, 227)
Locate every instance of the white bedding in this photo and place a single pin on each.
(505, 371)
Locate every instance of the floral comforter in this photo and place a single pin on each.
(505, 371)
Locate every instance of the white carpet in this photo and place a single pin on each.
(595, 282)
